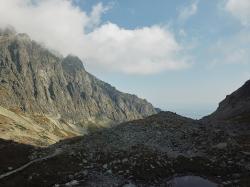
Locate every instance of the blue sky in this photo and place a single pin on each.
(182, 56)
(194, 91)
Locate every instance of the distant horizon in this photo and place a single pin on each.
(191, 110)
(196, 113)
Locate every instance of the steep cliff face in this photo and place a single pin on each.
(34, 80)
(235, 106)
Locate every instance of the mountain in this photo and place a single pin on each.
(46, 98)
(235, 106)
(144, 152)
(53, 91)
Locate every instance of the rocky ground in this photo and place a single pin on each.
(143, 153)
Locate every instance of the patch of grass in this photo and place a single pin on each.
(4, 119)
(16, 110)
(40, 119)
(20, 127)
(3, 92)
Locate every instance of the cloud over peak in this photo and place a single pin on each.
(64, 27)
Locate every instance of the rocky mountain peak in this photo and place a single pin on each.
(36, 81)
(72, 63)
(243, 92)
(235, 105)
(7, 31)
(24, 37)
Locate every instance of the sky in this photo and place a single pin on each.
(184, 55)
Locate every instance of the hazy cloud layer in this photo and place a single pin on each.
(240, 9)
(188, 11)
(64, 27)
(234, 49)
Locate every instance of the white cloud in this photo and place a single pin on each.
(96, 14)
(240, 9)
(188, 11)
(64, 27)
(145, 50)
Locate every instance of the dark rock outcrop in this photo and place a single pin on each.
(235, 106)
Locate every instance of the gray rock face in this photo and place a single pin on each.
(235, 106)
(35, 80)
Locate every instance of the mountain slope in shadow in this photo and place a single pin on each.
(143, 152)
(235, 106)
